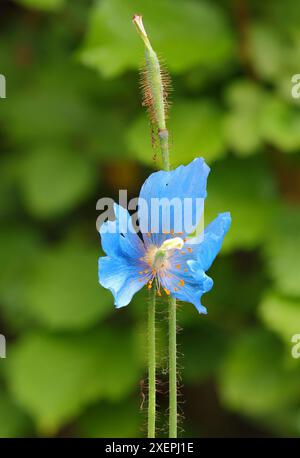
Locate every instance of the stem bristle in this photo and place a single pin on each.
(147, 93)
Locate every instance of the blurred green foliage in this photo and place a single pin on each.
(72, 131)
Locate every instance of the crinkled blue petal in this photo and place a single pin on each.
(185, 182)
(120, 271)
(191, 292)
(121, 278)
(193, 288)
(204, 281)
(119, 238)
(190, 263)
(210, 244)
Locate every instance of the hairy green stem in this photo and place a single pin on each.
(151, 366)
(164, 146)
(172, 370)
(156, 87)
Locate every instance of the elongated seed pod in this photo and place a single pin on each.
(156, 84)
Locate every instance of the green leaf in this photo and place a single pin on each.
(8, 194)
(113, 143)
(285, 423)
(274, 56)
(246, 189)
(111, 420)
(257, 117)
(55, 377)
(281, 315)
(242, 124)
(282, 251)
(63, 292)
(20, 248)
(195, 128)
(185, 33)
(254, 379)
(198, 365)
(267, 50)
(281, 124)
(284, 15)
(245, 271)
(47, 5)
(13, 421)
(49, 105)
(54, 179)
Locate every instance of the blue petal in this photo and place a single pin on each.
(121, 278)
(185, 182)
(191, 292)
(118, 238)
(193, 288)
(193, 260)
(120, 270)
(205, 282)
(212, 240)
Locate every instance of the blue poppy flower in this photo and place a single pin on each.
(175, 261)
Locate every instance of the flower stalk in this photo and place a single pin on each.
(151, 367)
(172, 369)
(156, 85)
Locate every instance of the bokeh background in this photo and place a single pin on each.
(72, 131)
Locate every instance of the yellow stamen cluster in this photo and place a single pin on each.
(159, 261)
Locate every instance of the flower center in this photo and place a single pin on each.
(165, 250)
(157, 257)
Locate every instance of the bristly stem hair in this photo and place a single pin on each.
(156, 86)
(151, 366)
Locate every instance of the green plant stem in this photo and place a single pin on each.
(151, 366)
(164, 145)
(163, 135)
(172, 370)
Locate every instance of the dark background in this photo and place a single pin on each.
(72, 131)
